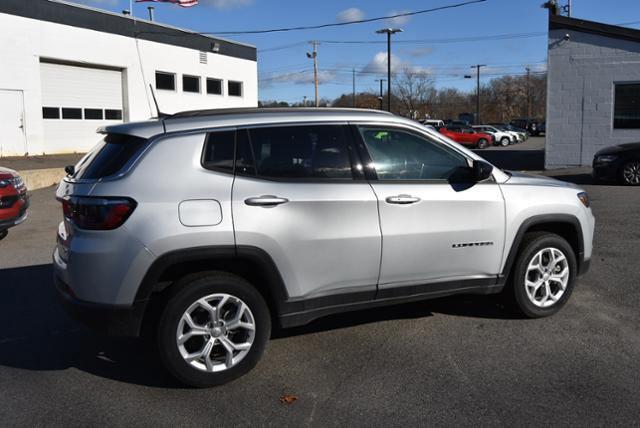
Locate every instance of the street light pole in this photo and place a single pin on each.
(477, 67)
(381, 97)
(389, 32)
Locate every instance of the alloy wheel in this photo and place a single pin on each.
(216, 332)
(631, 173)
(547, 277)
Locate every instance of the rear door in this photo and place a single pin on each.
(436, 227)
(298, 196)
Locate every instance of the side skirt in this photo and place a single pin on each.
(304, 311)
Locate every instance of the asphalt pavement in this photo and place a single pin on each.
(463, 360)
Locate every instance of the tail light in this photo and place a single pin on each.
(97, 213)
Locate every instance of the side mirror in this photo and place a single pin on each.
(70, 169)
(481, 170)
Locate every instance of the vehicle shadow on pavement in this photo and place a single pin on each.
(35, 333)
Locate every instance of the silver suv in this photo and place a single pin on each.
(205, 228)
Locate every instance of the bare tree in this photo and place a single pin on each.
(415, 92)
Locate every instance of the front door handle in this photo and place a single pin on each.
(402, 199)
(265, 201)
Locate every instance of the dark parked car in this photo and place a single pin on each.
(533, 126)
(619, 164)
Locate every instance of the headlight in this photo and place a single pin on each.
(584, 198)
(606, 158)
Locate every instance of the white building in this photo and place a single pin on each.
(66, 70)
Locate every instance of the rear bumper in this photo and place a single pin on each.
(116, 320)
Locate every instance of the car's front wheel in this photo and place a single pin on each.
(543, 276)
(482, 143)
(630, 174)
(213, 329)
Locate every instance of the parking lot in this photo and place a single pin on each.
(462, 360)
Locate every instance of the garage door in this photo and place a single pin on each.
(76, 101)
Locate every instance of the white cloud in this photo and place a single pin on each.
(399, 20)
(227, 4)
(379, 63)
(350, 15)
(298, 78)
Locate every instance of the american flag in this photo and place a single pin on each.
(183, 3)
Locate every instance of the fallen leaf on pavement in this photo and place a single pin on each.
(288, 399)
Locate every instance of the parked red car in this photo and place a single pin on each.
(14, 200)
(467, 136)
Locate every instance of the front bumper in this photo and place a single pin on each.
(605, 171)
(116, 320)
(17, 216)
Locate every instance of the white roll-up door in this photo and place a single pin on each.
(76, 100)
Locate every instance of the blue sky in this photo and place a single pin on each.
(430, 42)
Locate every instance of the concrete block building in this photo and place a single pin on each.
(593, 97)
(67, 69)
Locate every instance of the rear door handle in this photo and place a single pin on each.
(265, 201)
(402, 199)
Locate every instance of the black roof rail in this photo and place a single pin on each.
(267, 110)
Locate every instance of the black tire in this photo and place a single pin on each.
(482, 143)
(3, 234)
(626, 178)
(505, 141)
(515, 290)
(186, 292)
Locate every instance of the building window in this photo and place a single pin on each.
(166, 81)
(113, 114)
(626, 110)
(50, 113)
(190, 84)
(214, 86)
(234, 88)
(93, 114)
(71, 113)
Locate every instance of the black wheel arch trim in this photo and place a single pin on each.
(541, 219)
(273, 279)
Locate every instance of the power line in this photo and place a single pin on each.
(340, 24)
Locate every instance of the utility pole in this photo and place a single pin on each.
(304, 101)
(528, 92)
(477, 67)
(353, 101)
(381, 97)
(389, 32)
(314, 56)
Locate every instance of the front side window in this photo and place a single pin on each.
(626, 110)
(402, 155)
(301, 152)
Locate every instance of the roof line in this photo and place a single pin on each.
(559, 22)
(273, 110)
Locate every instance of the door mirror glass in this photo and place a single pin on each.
(481, 170)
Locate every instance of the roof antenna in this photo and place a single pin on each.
(155, 101)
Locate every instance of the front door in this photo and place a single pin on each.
(12, 126)
(433, 229)
(297, 197)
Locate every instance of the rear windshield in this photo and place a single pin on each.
(109, 157)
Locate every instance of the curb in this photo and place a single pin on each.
(40, 178)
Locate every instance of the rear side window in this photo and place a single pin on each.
(218, 151)
(301, 152)
(109, 157)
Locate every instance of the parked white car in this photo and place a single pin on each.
(503, 138)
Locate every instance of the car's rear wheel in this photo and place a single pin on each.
(213, 329)
(630, 173)
(504, 141)
(543, 276)
(482, 143)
